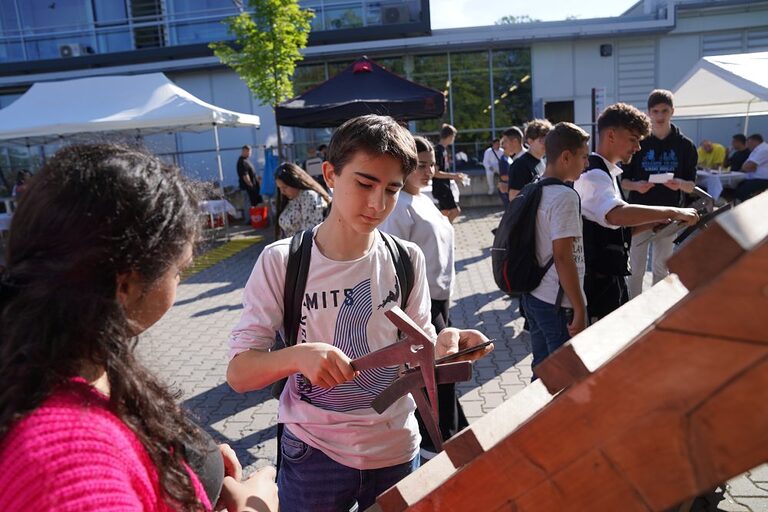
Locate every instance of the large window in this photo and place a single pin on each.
(37, 29)
(431, 71)
(345, 14)
(199, 21)
(51, 29)
(488, 91)
(512, 87)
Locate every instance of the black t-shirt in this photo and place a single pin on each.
(441, 160)
(523, 171)
(676, 153)
(245, 168)
(738, 158)
(441, 186)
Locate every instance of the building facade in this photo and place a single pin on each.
(493, 76)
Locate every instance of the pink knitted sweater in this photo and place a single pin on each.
(73, 454)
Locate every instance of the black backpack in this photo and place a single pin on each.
(296, 273)
(513, 255)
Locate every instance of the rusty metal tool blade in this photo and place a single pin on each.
(425, 356)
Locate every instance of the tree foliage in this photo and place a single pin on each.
(513, 20)
(267, 46)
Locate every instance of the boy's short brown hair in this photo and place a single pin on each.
(621, 115)
(537, 128)
(448, 130)
(513, 133)
(564, 137)
(375, 135)
(423, 144)
(660, 96)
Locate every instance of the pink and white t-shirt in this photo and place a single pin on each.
(344, 305)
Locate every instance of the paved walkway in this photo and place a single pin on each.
(188, 348)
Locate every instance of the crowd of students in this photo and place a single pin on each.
(83, 278)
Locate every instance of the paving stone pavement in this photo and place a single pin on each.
(187, 348)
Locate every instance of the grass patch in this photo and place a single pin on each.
(218, 254)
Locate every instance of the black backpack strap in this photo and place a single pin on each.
(403, 266)
(296, 273)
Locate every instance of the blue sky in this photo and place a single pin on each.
(469, 13)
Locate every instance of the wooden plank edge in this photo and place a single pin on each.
(489, 430)
(705, 257)
(561, 369)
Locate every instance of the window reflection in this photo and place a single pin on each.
(336, 14)
(58, 16)
(478, 111)
(38, 29)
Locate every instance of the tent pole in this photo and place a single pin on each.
(221, 179)
(746, 118)
(29, 155)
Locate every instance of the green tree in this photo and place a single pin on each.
(511, 20)
(268, 41)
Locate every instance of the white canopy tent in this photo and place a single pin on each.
(133, 104)
(725, 86)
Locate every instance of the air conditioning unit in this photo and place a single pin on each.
(74, 50)
(395, 14)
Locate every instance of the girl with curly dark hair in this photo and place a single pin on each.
(93, 259)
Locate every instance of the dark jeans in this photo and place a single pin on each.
(749, 188)
(309, 480)
(504, 200)
(548, 327)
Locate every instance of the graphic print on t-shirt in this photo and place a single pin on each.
(351, 336)
(393, 297)
(667, 162)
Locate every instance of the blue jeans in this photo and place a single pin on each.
(548, 327)
(309, 480)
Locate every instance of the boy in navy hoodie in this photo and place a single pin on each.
(665, 151)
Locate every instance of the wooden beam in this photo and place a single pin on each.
(486, 432)
(593, 347)
(729, 432)
(660, 400)
(698, 263)
(735, 305)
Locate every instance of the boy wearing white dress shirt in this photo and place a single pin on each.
(606, 213)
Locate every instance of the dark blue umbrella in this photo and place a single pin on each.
(363, 87)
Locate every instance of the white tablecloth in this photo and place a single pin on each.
(6, 213)
(5, 222)
(715, 181)
(218, 206)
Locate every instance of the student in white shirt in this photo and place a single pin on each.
(416, 219)
(491, 159)
(336, 450)
(756, 168)
(554, 315)
(606, 214)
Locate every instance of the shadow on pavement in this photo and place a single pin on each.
(474, 312)
(221, 403)
(462, 265)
